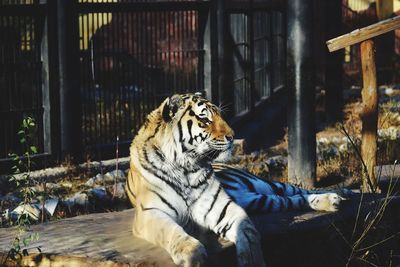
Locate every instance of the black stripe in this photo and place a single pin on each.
(226, 228)
(224, 176)
(304, 200)
(165, 177)
(199, 196)
(223, 212)
(159, 154)
(204, 181)
(155, 132)
(242, 173)
(181, 139)
(149, 209)
(290, 204)
(262, 203)
(212, 203)
(228, 186)
(278, 191)
(252, 205)
(189, 125)
(165, 202)
(248, 183)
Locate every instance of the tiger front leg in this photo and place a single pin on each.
(160, 229)
(229, 221)
(239, 229)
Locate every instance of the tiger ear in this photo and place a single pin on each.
(171, 107)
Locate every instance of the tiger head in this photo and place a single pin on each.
(197, 127)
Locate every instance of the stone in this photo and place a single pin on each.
(275, 161)
(99, 193)
(66, 184)
(90, 182)
(118, 175)
(119, 191)
(79, 198)
(50, 206)
(53, 186)
(32, 210)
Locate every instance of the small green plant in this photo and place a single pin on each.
(21, 172)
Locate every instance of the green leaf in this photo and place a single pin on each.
(34, 149)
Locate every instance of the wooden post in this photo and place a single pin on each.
(369, 115)
(369, 92)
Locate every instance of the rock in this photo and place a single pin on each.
(10, 197)
(259, 169)
(66, 184)
(50, 206)
(99, 193)
(276, 161)
(118, 175)
(119, 191)
(239, 147)
(391, 133)
(99, 178)
(90, 182)
(79, 198)
(53, 186)
(343, 148)
(33, 211)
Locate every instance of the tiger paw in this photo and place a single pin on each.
(248, 249)
(189, 252)
(325, 202)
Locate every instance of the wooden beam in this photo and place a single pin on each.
(363, 34)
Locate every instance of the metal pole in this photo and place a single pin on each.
(334, 61)
(70, 126)
(221, 49)
(301, 90)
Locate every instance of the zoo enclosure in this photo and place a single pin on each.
(90, 71)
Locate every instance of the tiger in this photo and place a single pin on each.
(173, 185)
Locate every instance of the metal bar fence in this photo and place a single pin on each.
(133, 55)
(258, 50)
(21, 29)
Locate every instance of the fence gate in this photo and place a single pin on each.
(133, 55)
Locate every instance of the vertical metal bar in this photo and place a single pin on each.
(271, 54)
(250, 28)
(300, 78)
(127, 72)
(168, 30)
(221, 28)
(173, 50)
(106, 82)
(154, 76)
(137, 94)
(334, 68)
